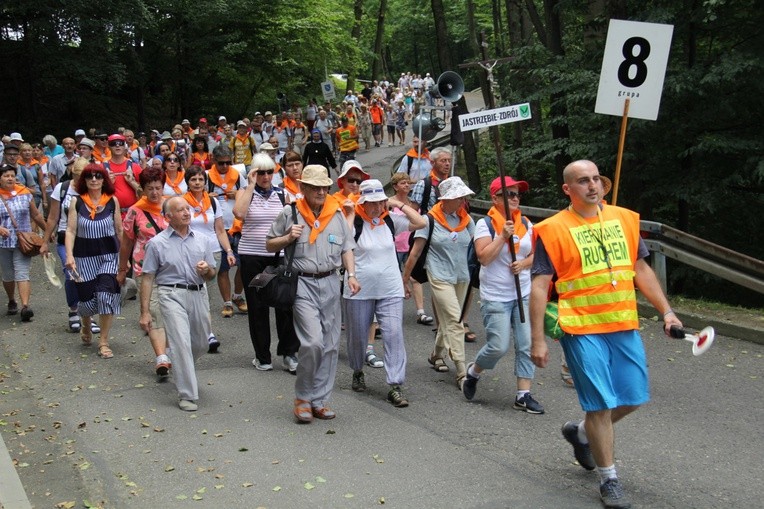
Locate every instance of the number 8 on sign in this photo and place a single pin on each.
(634, 60)
(633, 67)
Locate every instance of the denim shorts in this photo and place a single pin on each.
(609, 370)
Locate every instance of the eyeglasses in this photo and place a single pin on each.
(510, 195)
(117, 143)
(90, 176)
(264, 172)
(353, 181)
(223, 163)
(104, 138)
(173, 160)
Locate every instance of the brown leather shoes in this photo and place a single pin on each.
(302, 411)
(324, 413)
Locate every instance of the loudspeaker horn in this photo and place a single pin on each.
(449, 86)
(431, 125)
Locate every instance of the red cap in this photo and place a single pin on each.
(508, 182)
(117, 137)
(202, 120)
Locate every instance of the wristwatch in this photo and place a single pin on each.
(351, 274)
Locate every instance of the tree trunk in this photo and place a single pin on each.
(691, 7)
(376, 66)
(355, 34)
(558, 111)
(475, 43)
(444, 58)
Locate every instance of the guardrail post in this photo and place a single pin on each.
(659, 267)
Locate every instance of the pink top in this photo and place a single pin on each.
(139, 229)
(402, 238)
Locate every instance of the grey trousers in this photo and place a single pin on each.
(360, 314)
(186, 317)
(317, 323)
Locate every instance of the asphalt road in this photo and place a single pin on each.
(79, 428)
(82, 428)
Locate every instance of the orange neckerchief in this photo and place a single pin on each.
(236, 226)
(176, 183)
(201, 157)
(34, 161)
(242, 139)
(225, 181)
(413, 153)
(291, 185)
(16, 191)
(440, 217)
(203, 205)
(93, 208)
(155, 209)
(135, 145)
(498, 220)
(317, 225)
(434, 177)
(359, 210)
(340, 197)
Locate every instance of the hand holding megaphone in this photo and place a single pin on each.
(700, 342)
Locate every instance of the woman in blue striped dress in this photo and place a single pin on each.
(93, 236)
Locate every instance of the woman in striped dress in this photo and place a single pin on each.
(93, 236)
(258, 205)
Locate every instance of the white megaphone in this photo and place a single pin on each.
(449, 87)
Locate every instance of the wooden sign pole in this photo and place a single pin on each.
(621, 143)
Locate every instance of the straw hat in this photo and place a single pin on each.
(315, 175)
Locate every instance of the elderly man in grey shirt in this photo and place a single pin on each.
(324, 241)
(181, 262)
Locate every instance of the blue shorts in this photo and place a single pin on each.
(609, 370)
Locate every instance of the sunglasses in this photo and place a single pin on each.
(354, 181)
(510, 194)
(264, 172)
(173, 160)
(104, 138)
(223, 163)
(90, 176)
(117, 143)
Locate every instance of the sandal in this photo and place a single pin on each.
(94, 327)
(424, 319)
(438, 364)
(105, 352)
(303, 411)
(469, 336)
(566, 376)
(87, 338)
(74, 322)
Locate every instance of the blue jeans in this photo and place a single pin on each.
(497, 318)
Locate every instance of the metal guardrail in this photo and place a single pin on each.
(667, 242)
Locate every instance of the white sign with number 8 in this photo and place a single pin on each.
(633, 68)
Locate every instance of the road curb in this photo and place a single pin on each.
(722, 328)
(12, 494)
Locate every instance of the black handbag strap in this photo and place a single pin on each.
(290, 249)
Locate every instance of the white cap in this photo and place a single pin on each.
(371, 191)
(80, 132)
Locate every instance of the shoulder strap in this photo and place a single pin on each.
(214, 203)
(411, 161)
(489, 224)
(390, 224)
(280, 193)
(289, 251)
(64, 190)
(424, 206)
(153, 223)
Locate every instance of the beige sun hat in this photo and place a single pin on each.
(453, 188)
(315, 175)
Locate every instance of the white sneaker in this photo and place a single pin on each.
(187, 405)
(261, 367)
(374, 361)
(290, 363)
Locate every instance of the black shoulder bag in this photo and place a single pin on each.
(276, 287)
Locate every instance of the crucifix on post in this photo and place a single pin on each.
(488, 65)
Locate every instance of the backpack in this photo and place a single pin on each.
(358, 224)
(424, 206)
(418, 273)
(472, 260)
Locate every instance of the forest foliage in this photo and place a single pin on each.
(149, 63)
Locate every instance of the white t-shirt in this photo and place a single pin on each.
(497, 283)
(376, 262)
(64, 207)
(225, 204)
(208, 228)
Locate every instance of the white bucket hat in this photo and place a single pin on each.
(453, 188)
(371, 191)
(349, 165)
